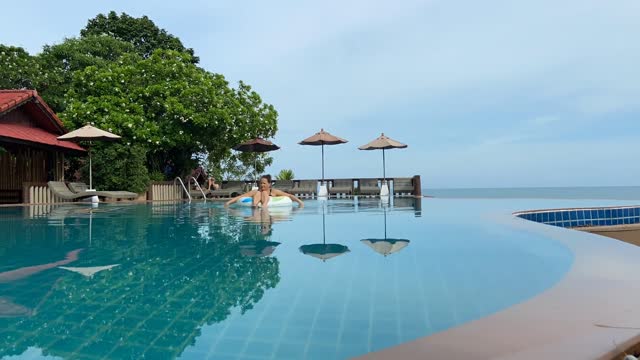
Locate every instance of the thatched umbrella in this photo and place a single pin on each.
(383, 143)
(257, 145)
(90, 134)
(323, 138)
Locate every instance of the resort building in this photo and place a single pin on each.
(29, 148)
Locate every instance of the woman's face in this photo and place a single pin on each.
(264, 184)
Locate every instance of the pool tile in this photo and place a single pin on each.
(259, 348)
(319, 351)
(290, 351)
(229, 346)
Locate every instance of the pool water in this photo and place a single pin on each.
(335, 279)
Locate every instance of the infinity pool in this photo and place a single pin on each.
(332, 280)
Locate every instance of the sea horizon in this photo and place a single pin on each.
(547, 192)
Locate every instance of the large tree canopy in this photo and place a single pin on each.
(142, 33)
(72, 55)
(132, 78)
(18, 69)
(167, 104)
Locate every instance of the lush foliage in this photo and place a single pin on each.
(239, 166)
(168, 105)
(128, 76)
(142, 33)
(285, 174)
(129, 172)
(73, 55)
(18, 69)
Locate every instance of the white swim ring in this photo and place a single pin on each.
(274, 201)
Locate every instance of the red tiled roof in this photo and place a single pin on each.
(11, 99)
(36, 135)
(47, 124)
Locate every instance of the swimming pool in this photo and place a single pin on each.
(201, 281)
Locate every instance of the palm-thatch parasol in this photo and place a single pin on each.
(323, 138)
(383, 143)
(90, 134)
(257, 145)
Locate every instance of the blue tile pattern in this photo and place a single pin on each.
(569, 218)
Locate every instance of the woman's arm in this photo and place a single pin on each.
(277, 192)
(247, 194)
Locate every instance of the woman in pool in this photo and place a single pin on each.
(263, 194)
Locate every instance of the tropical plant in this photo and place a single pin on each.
(285, 174)
(129, 172)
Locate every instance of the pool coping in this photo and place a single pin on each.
(591, 313)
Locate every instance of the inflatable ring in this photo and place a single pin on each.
(273, 201)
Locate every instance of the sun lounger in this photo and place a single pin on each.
(402, 186)
(195, 193)
(60, 189)
(305, 188)
(341, 186)
(79, 188)
(284, 185)
(229, 189)
(368, 187)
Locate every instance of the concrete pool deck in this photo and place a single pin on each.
(591, 313)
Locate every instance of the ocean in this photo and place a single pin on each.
(586, 193)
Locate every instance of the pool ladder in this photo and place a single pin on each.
(183, 187)
(204, 197)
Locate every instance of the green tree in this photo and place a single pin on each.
(168, 105)
(18, 69)
(73, 55)
(142, 33)
(128, 173)
(238, 166)
(127, 75)
(285, 174)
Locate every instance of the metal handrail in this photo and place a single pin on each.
(198, 187)
(183, 187)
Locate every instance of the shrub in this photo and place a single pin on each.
(118, 167)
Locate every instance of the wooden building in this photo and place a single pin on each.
(29, 148)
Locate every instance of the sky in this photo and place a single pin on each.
(484, 93)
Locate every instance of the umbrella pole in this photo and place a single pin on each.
(384, 173)
(323, 235)
(90, 174)
(322, 163)
(385, 222)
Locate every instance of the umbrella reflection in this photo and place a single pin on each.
(258, 248)
(324, 251)
(386, 246)
(88, 271)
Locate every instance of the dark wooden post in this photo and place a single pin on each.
(417, 186)
(150, 191)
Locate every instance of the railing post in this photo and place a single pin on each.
(417, 187)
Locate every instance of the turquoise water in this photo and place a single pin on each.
(201, 281)
(587, 192)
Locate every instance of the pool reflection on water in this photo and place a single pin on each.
(199, 280)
